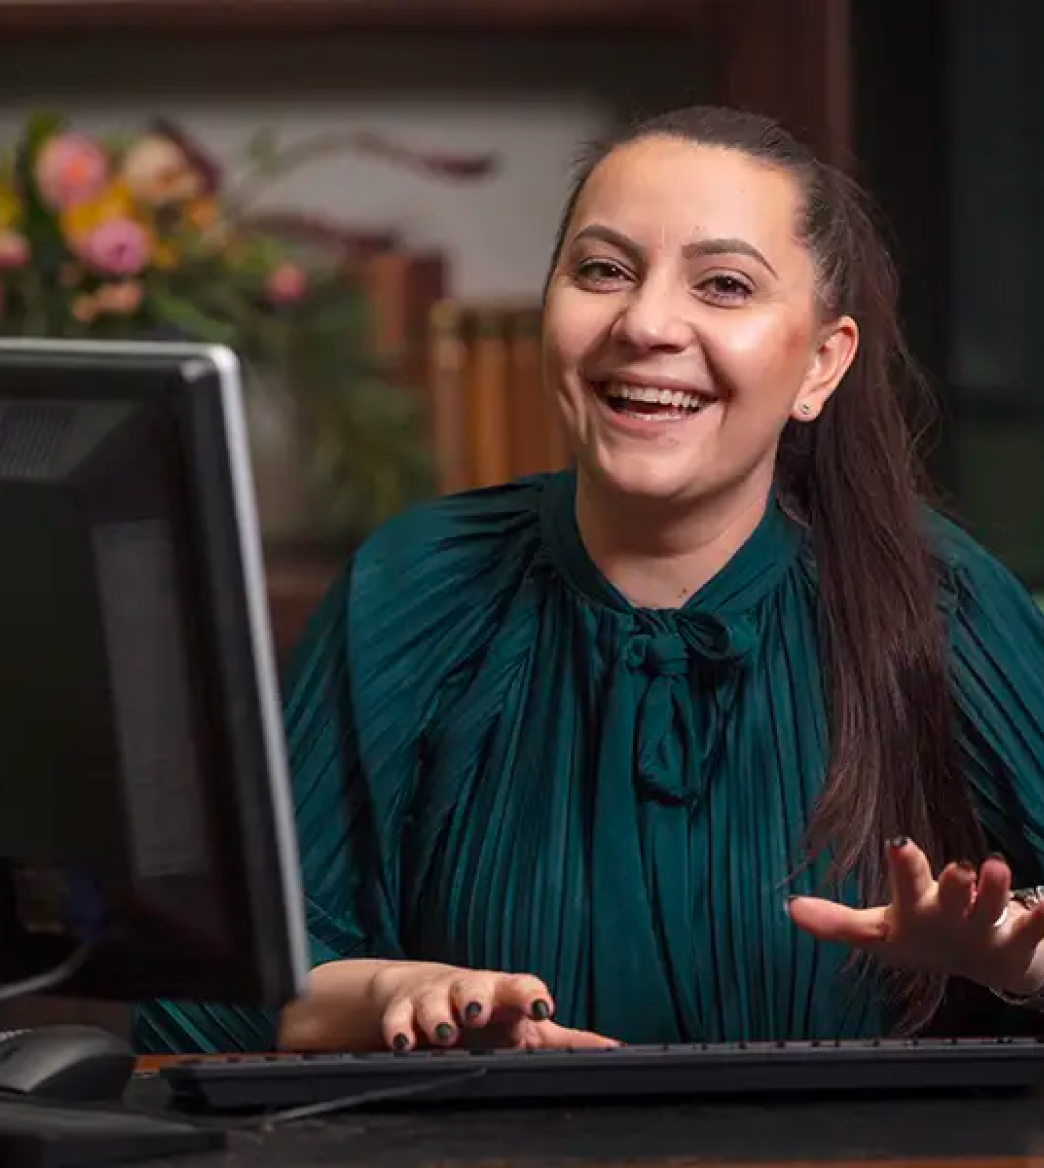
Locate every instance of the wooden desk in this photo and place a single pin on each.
(925, 1133)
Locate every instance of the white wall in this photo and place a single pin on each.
(532, 101)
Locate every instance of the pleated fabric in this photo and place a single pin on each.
(499, 762)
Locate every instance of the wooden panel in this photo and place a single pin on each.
(296, 585)
(789, 59)
(27, 16)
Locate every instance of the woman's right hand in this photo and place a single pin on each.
(424, 1003)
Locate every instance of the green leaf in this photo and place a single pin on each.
(38, 223)
(183, 315)
(39, 127)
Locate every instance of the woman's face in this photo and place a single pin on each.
(681, 327)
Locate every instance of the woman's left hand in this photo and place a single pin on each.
(963, 925)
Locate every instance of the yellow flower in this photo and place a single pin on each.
(10, 209)
(201, 213)
(164, 255)
(114, 202)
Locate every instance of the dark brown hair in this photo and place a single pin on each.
(853, 478)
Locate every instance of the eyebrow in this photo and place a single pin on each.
(699, 247)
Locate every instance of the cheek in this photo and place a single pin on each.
(760, 353)
(573, 331)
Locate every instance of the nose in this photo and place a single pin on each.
(655, 317)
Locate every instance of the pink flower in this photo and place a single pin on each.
(122, 299)
(70, 169)
(84, 309)
(117, 247)
(14, 250)
(286, 284)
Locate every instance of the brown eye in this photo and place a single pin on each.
(726, 289)
(599, 273)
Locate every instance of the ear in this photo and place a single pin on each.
(831, 359)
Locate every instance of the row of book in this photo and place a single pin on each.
(476, 366)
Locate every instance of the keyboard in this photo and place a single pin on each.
(238, 1083)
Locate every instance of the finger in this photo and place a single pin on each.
(398, 1026)
(472, 998)
(525, 994)
(551, 1036)
(957, 883)
(912, 878)
(994, 892)
(433, 1011)
(865, 928)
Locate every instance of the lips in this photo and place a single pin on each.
(644, 407)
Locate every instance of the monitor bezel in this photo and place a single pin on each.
(220, 474)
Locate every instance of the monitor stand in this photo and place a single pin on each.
(41, 1134)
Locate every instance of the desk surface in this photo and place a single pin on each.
(926, 1133)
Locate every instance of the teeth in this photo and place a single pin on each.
(652, 394)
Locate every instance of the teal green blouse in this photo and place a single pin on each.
(499, 762)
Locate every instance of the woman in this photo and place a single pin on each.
(562, 748)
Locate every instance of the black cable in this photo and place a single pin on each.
(363, 1099)
(267, 1121)
(51, 978)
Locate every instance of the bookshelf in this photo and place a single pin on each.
(49, 17)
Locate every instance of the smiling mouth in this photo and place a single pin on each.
(651, 402)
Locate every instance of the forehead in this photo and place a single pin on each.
(664, 191)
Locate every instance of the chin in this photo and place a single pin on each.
(651, 478)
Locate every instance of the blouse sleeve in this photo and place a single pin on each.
(346, 915)
(997, 646)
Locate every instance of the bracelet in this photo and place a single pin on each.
(1029, 898)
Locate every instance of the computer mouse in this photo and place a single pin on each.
(74, 1064)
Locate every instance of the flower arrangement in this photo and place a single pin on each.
(140, 238)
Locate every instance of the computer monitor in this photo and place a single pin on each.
(144, 800)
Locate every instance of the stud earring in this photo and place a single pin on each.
(805, 410)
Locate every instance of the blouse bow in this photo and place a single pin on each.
(676, 736)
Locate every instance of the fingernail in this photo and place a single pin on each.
(443, 1032)
(399, 1043)
(966, 866)
(472, 1010)
(540, 1010)
(899, 841)
(997, 856)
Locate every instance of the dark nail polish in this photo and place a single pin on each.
(399, 1043)
(443, 1032)
(472, 1011)
(899, 841)
(540, 1010)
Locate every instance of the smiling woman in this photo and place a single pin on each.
(561, 748)
(680, 272)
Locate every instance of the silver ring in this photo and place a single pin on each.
(1029, 898)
